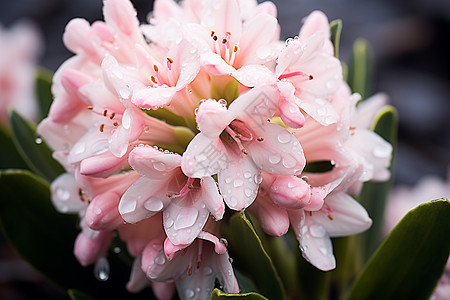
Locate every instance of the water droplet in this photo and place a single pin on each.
(101, 269)
(79, 148)
(289, 161)
(238, 183)
(304, 229)
(223, 102)
(38, 140)
(331, 84)
(248, 192)
(159, 166)
(321, 111)
(323, 250)
(247, 174)
(126, 120)
(98, 211)
(117, 250)
(258, 179)
(168, 223)
(330, 120)
(127, 206)
(290, 184)
(317, 230)
(125, 93)
(189, 293)
(284, 137)
(186, 219)
(382, 150)
(228, 180)
(232, 201)
(117, 73)
(153, 205)
(160, 259)
(274, 159)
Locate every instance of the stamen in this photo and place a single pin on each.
(248, 134)
(188, 186)
(155, 67)
(292, 74)
(330, 217)
(224, 41)
(105, 112)
(116, 124)
(212, 33)
(101, 127)
(232, 133)
(260, 139)
(153, 79)
(169, 63)
(189, 271)
(233, 55)
(90, 107)
(112, 115)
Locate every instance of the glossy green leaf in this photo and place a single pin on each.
(78, 295)
(252, 258)
(335, 35)
(218, 295)
(373, 195)
(9, 156)
(44, 95)
(45, 238)
(167, 116)
(33, 150)
(410, 261)
(360, 68)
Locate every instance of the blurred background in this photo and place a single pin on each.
(411, 48)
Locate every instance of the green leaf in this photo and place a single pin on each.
(167, 116)
(410, 261)
(360, 69)
(251, 256)
(77, 295)
(335, 35)
(373, 195)
(33, 150)
(9, 156)
(45, 238)
(44, 95)
(218, 294)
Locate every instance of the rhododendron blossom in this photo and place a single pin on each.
(167, 129)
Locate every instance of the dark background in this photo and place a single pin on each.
(411, 43)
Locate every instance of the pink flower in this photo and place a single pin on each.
(238, 142)
(185, 202)
(19, 48)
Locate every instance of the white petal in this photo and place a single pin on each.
(254, 75)
(239, 183)
(65, 194)
(153, 163)
(211, 197)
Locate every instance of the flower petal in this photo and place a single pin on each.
(211, 197)
(102, 213)
(204, 157)
(279, 152)
(65, 194)
(254, 75)
(273, 219)
(153, 163)
(239, 182)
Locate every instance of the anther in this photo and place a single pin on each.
(244, 151)
(214, 38)
(112, 116)
(155, 67)
(330, 217)
(311, 77)
(105, 112)
(169, 63)
(115, 124)
(90, 107)
(260, 139)
(101, 127)
(189, 271)
(235, 49)
(153, 79)
(212, 33)
(198, 265)
(224, 41)
(191, 186)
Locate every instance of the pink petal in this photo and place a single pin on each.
(153, 163)
(290, 192)
(65, 194)
(348, 216)
(204, 157)
(238, 183)
(290, 114)
(88, 250)
(211, 197)
(121, 15)
(273, 219)
(143, 199)
(279, 152)
(138, 281)
(224, 17)
(102, 165)
(314, 241)
(154, 97)
(215, 65)
(102, 213)
(212, 118)
(184, 218)
(254, 75)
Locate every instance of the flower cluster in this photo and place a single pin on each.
(164, 128)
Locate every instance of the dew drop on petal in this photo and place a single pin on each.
(124, 93)
(62, 194)
(126, 120)
(189, 293)
(304, 229)
(284, 137)
(200, 157)
(317, 230)
(248, 192)
(153, 205)
(127, 207)
(321, 111)
(38, 140)
(258, 179)
(101, 269)
(159, 166)
(169, 223)
(323, 250)
(238, 183)
(228, 180)
(186, 218)
(289, 161)
(160, 259)
(207, 271)
(79, 148)
(274, 158)
(247, 174)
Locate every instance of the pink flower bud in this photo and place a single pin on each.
(290, 192)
